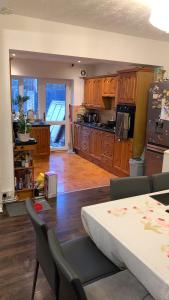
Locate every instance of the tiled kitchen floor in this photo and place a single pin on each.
(74, 173)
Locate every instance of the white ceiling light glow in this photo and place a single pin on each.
(160, 15)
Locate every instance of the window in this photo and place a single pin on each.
(15, 93)
(27, 87)
(31, 90)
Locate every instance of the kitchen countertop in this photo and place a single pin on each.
(95, 126)
(39, 124)
(30, 142)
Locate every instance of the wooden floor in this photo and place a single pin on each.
(74, 173)
(17, 242)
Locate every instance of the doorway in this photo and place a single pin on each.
(57, 99)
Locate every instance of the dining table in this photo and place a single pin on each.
(134, 234)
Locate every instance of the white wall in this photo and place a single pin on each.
(52, 70)
(23, 33)
(107, 69)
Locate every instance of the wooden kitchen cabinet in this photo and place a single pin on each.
(97, 88)
(127, 87)
(109, 86)
(42, 136)
(96, 143)
(77, 129)
(85, 139)
(122, 154)
(104, 149)
(108, 149)
(88, 92)
(97, 93)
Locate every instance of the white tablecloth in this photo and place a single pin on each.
(134, 233)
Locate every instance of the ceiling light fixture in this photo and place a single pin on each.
(79, 61)
(160, 15)
(13, 54)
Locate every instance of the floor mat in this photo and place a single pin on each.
(18, 208)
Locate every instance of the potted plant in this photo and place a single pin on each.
(20, 100)
(23, 126)
(24, 129)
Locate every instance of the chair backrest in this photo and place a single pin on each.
(43, 252)
(70, 286)
(129, 187)
(160, 181)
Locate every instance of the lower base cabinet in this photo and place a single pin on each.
(103, 149)
(42, 136)
(122, 154)
(108, 150)
(96, 144)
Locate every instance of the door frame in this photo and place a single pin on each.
(68, 101)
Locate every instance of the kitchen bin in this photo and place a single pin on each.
(136, 167)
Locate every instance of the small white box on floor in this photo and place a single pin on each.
(166, 161)
(50, 184)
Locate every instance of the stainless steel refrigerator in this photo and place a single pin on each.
(157, 127)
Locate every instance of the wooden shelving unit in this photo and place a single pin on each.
(24, 170)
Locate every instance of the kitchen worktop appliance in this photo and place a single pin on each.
(91, 117)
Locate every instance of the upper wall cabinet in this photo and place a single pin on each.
(88, 92)
(127, 87)
(93, 93)
(97, 93)
(96, 89)
(109, 86)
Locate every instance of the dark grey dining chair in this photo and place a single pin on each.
(120, 286)
(88, 261)
(160, 181)
(129, 187)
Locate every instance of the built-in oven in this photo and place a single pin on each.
(125, 116)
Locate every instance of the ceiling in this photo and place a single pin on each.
(122, 16)
(65, 59)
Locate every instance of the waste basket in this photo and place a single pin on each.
(136, 167)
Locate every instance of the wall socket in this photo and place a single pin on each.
(8, 195)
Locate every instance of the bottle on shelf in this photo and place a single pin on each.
(20, 184)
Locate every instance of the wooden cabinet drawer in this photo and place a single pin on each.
(25, 148)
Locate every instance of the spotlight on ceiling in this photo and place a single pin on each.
(159, 16)
(6, 11)
(79, 61)
(13, 54)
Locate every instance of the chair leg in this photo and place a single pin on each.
(35, 279)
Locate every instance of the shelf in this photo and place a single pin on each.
(23, 168)
(24, 190)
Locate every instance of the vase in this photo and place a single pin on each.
(24, 137)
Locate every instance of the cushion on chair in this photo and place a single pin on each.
(160, 181)
(90, 266)
(129, 187)
(121, 286)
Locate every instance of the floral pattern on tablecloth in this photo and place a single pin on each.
(147, 214)
(146, 207)
(118, 212)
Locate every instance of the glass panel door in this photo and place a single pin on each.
(56, 114)
(30, 86)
